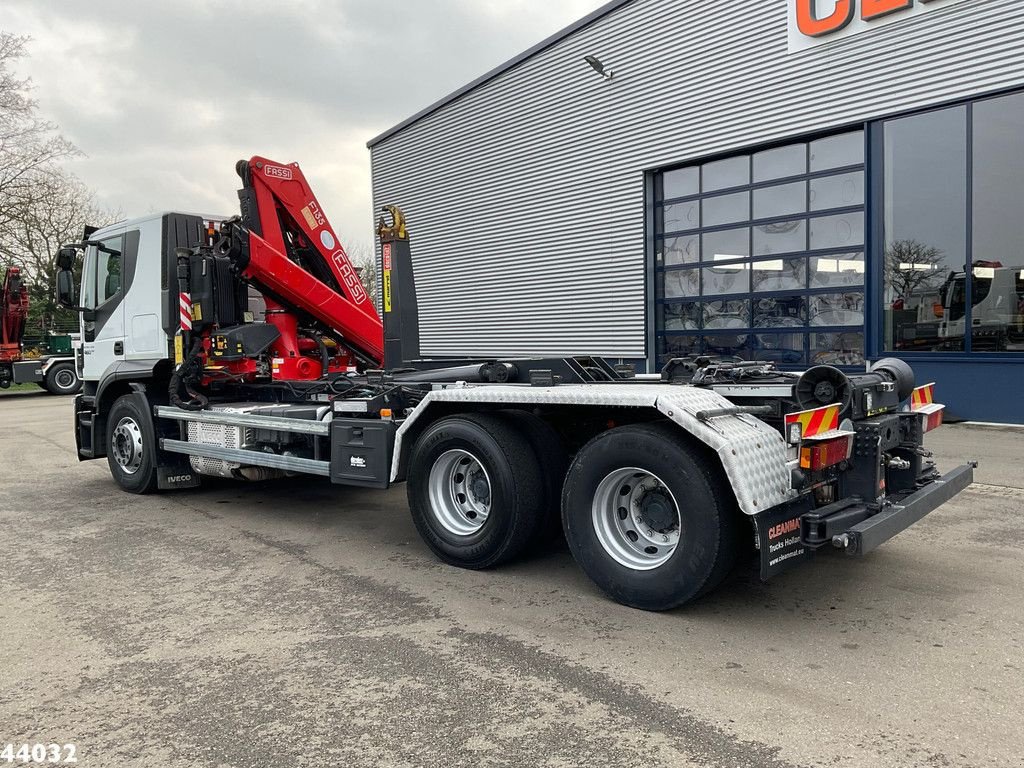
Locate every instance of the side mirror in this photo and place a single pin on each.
(66, 258)
(66, 288)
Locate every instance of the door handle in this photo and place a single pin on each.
(118, 347)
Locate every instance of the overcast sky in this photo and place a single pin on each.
(164, 97)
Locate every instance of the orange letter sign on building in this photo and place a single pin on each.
(809, 24)
(872, 9)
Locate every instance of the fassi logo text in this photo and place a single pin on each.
(811, 24)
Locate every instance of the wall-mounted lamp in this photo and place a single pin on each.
(598, 67)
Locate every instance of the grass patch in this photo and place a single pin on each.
(30, 387)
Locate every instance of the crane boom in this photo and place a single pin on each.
(287, 249)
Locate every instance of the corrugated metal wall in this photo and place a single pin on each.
(525, 196)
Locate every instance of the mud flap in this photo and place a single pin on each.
(176, 474)
(780, 538)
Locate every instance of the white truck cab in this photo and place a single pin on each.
(126, 265)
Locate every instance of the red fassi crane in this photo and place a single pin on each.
(291, 219)
(284, 246)
(14, 308)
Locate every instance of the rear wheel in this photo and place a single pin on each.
(649, 518)
(131, 445)
(62, 379)
(549, 448)
(473, 487)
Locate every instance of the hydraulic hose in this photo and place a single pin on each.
(185, 377)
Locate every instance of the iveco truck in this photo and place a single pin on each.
(657, 482)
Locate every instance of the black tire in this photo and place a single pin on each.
(708, 518)
(131, 444)
(549, 448)
(62, 379)
(514, 484)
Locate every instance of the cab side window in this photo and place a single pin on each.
(109, 269)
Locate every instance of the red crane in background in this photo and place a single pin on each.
(14, 309)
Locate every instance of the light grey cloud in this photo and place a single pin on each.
(164, 97)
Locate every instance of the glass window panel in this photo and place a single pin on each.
(781, 348)
(679, 317)
(838, 270)
(681, 182)
(727, 278)
(997, 306)
(780, 312)
(679, 283)
(837, 151)
(780, 200)
(726, 344)
(108, 272)
(843, 231)
(779, 275)
(997, 300)
(734, 172)
(780, 237)
(780, 163)
(726, 209)
(836, 309)
(673, 251)
(842, 191)
(678, 346)
(925, 200)
(725, 245)
(732, 313)
(677, 217)
(846, 348)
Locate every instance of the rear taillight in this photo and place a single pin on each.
(933, 419)
(922, 402)
(821, 454)
(819, 441)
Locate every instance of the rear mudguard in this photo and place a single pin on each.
(752, 453)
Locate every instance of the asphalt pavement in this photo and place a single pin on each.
(299, 624)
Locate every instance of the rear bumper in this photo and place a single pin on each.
(789, 535)
(871, 533)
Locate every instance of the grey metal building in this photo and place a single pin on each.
(807, 181)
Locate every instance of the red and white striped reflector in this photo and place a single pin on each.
(922, 402)
(922, 396)
(826, 453)
(812, 423)
(185, 311)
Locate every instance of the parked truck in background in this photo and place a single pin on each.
(996, 312)
(55, 373)
(658, 482)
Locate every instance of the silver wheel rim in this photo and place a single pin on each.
(460, 492)
(126, 445)
(65, 379)
(636, 518)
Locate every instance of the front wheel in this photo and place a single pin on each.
(62, 379)
(131, 445)
(475, 490)
(649, 517)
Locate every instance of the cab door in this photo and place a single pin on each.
(103, 332)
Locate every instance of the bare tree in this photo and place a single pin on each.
(913, 268)
(29, 145)
(41, 205)
(59, 208)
